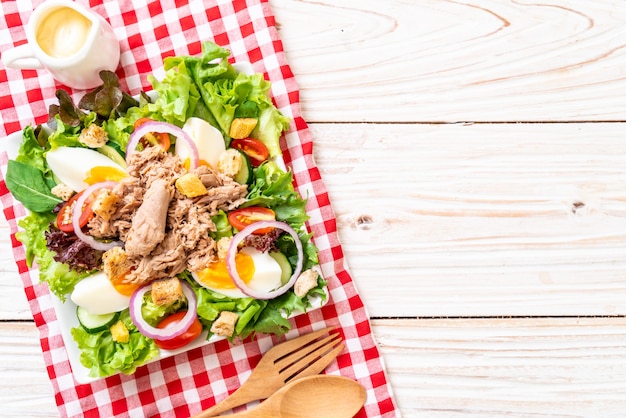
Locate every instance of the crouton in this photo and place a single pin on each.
(62, 191)
(119, 332)
(116, 264)
(167, 291)
(224, 325)
(222, 247)
(242, 127)
(230, 162)
(93, 136)
(190, 185)
(305, 282)
(104, 205)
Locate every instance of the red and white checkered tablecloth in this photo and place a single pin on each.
(187, 383)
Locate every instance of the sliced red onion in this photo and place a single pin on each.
(233, 249)
(163, 127)
(170, 332)
(78, 210)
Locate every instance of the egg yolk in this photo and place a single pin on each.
(187, 163)
(122, 287)
(104, 173)
(216, 275)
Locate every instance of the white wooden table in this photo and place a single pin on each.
(475, 155)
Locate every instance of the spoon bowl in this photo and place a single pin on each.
(313, 396)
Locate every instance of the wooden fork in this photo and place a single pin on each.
(303, 356)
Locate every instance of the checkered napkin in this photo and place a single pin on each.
(189, 382)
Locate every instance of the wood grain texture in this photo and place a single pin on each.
(25, 390)
(455, 221)
(437, 368)
(506, 367)
(13, 303)
(480, 220)
(481, 60)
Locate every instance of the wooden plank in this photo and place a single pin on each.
(485, 60)
(437, 368)
(468, 220)
(13, 303)
(506, 367)
(480, 220)
(25, 390)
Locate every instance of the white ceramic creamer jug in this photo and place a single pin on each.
(72, 43)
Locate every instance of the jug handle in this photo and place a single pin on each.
(21, 57)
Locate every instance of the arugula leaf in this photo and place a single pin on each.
(29, 185)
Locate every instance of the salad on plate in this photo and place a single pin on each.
(168, 220)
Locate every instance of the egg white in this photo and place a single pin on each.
(98, 296)
(208, 140)
(267, 275)
(71, 165)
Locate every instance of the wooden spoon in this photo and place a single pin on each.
(313, 396)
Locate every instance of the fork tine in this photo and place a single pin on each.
(287, 347)
(285, 361)
(299, 364)
(316, 367)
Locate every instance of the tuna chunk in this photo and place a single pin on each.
(148, 225)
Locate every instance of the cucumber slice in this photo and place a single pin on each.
(284, 264)
(110, 152)
(244, 175)
(95, 323)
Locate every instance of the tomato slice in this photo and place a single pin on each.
(256, 150)
(64, 217)
(240, 218)
(155, 138)
(182, 340)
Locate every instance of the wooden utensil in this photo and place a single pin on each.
(300, 357)
(312, 397)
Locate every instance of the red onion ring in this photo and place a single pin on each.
(163, 127)
(170, 332)
(78, 210)
(233, 249)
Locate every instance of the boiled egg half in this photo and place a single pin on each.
(98, 296)
(259, 270)
(208, 140)
(80, 167)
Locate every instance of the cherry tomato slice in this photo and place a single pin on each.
(64, 217)
(182, 340)
(256, 150)
(240, 218)
(155, 138)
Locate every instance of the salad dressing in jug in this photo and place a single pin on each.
(63, 32)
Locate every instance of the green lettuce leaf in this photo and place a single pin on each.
(153, 313)
(60, 279)
(270, 127)
(31, 186)
(273, 188)
(103, 356)
(28, 177)
(209, 87)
